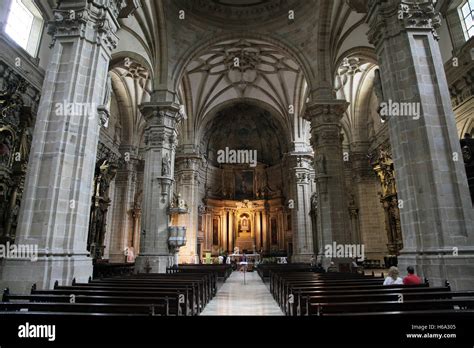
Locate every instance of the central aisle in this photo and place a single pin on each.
(235, 298)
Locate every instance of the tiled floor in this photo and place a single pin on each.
(235, 298)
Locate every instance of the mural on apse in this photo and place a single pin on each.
(244, 185)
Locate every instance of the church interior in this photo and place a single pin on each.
(225, 157)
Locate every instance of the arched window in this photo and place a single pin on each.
(466, 12)
(25, 25)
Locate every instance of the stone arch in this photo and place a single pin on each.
(354, 82)
(131, 83)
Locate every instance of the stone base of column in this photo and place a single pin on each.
(19, 275)
(442, 265)
(301, 258)
(153, 263)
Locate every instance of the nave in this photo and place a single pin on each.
(238, 297)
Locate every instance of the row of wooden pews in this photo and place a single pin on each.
(173, 294)
(222, 271)
(355, 295)
(264, 270)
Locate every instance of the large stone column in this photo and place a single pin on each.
(122, 224)
(436, 211)
(326, 140)
(370, 214)
(299, 165)
(55, 209)
(160, 146)
(187, 176)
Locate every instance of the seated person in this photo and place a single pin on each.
(319, 268)
(411, 278)
(393, 277)
(332, 268)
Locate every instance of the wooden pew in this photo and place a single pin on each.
(169, 305)
(193, 288)
(393, 293)
(93, 308)
(323, 309)
(222, 271)
(180, 294)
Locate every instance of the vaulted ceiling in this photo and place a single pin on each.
(244, 69)
(223, 51)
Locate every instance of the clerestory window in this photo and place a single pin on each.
(25, 25)
(466, 12)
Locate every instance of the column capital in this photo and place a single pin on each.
(325, 111)
(93, 20)
(165, 114)
(388, 18)
(188, 162)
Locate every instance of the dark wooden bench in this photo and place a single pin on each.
(192, 289)
(393, 293)
(222, 271)
(322, 309)
(180, 294)
(158, 302)
(144, 309)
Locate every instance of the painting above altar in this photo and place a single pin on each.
(244, 185)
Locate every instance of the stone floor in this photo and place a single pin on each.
(235, 298)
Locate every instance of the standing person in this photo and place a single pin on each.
(393, 277)
(243, 263)
(313, 261)
(411, 278)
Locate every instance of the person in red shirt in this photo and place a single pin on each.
(411, 278)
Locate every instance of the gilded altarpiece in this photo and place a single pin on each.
(18, 107)
(383, 166)
(251, 226)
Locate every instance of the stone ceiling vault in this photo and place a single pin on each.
(244, 69)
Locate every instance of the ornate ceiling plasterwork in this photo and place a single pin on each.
(245, 69)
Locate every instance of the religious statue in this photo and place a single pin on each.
(181, 202)
(201, 209)
(104, 174)
(244, 224)
(165, 166)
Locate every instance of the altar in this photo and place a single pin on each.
(251, 259)
(251, 226)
